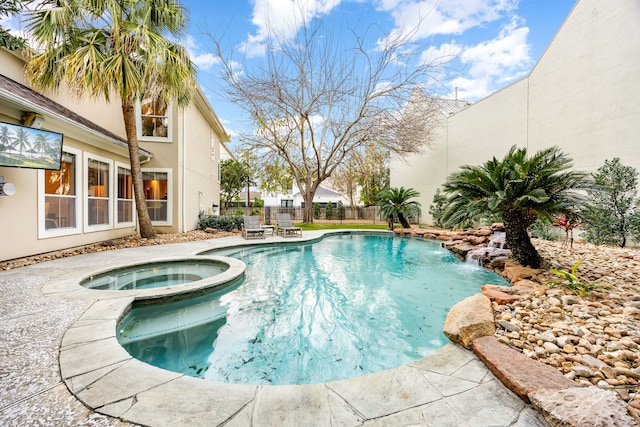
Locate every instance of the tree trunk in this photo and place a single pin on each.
(144, 220)
(517, 238)
(403, 220)
(308, 195)
(307, 212)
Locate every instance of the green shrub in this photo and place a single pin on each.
(571, 281)
(437, 208)
(222, 222)
(328, 212)
(613, 211)
(316, 210)
(341, 211)
(543, 230)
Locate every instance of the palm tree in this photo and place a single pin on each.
(21, 140)
(41, 144)
(520, 189)
(5, 138)
(100, 48)
(395, 203)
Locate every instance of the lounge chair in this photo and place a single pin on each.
(286, 228)
(251, 228)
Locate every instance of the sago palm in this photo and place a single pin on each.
(518, 188)
(396, 203)
(105, 48)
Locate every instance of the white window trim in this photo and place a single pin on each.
(43, 233)
(100, 227)
(168, 138)
(169, 173)
(114, 185)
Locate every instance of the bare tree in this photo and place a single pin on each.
(315, 100)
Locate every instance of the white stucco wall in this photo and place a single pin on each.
(582, 95)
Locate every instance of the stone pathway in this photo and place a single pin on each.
(41, 302)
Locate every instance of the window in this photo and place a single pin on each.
(124, 196)
(97, 208)
(154, 121)
(59, 192)
(157, 191)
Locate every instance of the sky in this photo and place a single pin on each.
(494, 42)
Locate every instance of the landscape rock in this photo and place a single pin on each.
(469, 319)
(516, 272)
(518, 372)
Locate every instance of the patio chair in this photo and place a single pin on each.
(286, 228)
(251, 228)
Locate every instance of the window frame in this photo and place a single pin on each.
(169, 116)
(43, 232)
(169, 201)
(110, 199)
(116, 199)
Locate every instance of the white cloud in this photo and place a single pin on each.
(204, 61)
(438, 56)
(282, 18)
(437, 17)
(508, 51)
(492, 63)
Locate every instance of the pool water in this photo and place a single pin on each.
(345, 306)
(154, 275)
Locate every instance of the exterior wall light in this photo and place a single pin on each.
(6, 188)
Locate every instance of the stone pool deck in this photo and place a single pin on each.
(58, 336)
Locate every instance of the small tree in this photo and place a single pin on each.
(328, 211)
(612, 209)
(315, 99)
(437, 208)
(316, 210)
(340, 212)
(519, 188)
(395, 203)
(234, 177)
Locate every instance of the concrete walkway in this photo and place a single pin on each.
(58, 336)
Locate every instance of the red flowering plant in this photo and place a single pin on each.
(568, 224)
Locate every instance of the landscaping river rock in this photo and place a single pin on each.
(593, 339)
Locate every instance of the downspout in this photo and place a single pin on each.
(183, 210)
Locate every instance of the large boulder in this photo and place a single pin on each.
(469, 319)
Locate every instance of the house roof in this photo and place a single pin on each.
(446, 106)
(30, 100)
(321, 191)
(450, 106)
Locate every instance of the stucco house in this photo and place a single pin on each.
(582, 95)
(90, 199)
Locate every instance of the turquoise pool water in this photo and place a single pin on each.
(154, 275)
(345, 306)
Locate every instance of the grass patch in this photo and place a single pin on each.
(315, 226)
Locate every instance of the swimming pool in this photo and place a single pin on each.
(344, 306)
